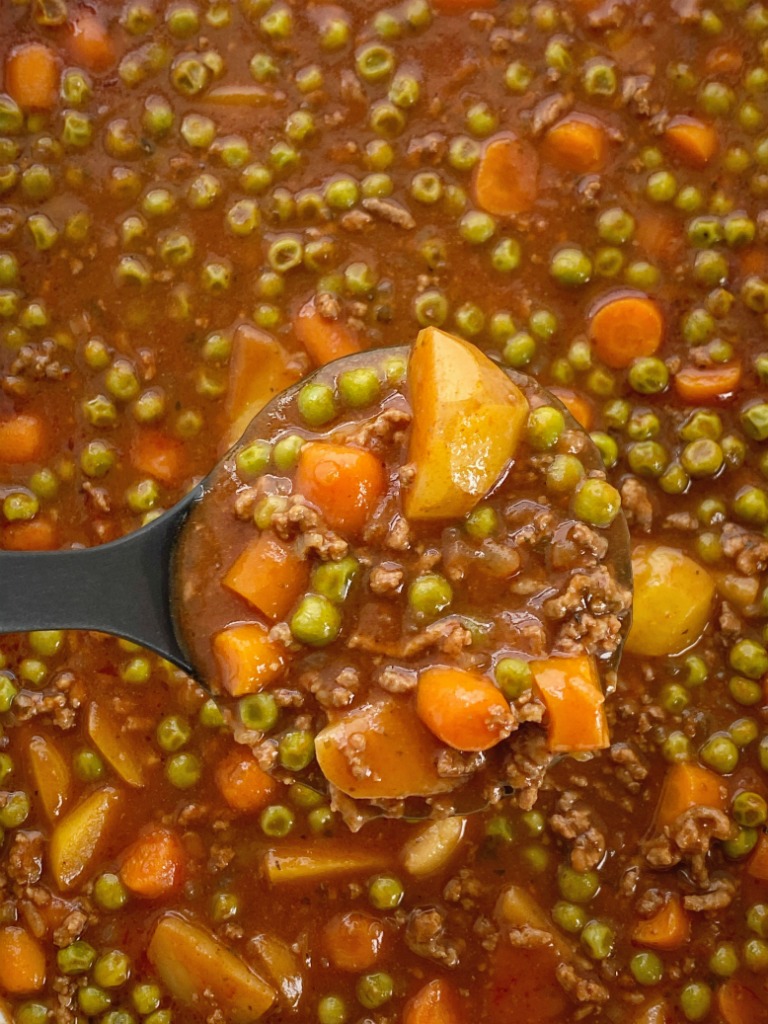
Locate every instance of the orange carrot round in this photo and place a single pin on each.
(353, 941)
(91, 43)
(702, 385)
(506, 179)
(34, 535)
(22, 438)
(244, 785)
(157, 454)
(154, 865)
(625, 328)
(463, 709)
(437, 1002)
(693, 141)
(324, 340)
(32, 76)
(22, 962)
(343, 482)
(738, 1004)
(577, 143)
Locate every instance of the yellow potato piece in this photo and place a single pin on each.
(129, 753)
(431, 849)
(79, 837)
(468, 419)
(53, 778)
(331, 860)
(672, 601)
(195, 967)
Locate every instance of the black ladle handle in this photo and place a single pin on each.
(123, 587)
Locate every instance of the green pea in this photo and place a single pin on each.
(677, 748)
(183, 770)
(8, 691)
(316, 404)
(757, 919)
(661, 187)
(333, 580)
(146, 997)
(76, 958)
(431, 308)
(253, 460)
(506, 255)
(375, 989)
(545, 426)
(695, 1000)
(32, 1013)
(702, 458)
(755, 954)
(749, 658)
(542, 324)
(258, 711)
(596, 502)
(385, 892)
(519, 350)
(109, 892)
(88, 765)
(568, 916)
(754, 420)
(513, 676)
(646, 968)
(276, 821)
(751, 505)
(607, 447)
(724, 960)
(316, 621)
(173, 732)
(296, 750)
(577, 886)
(564, 473)
(112, 969)
(224, 906)
(518, 77)
(571, 267)
(332, 1010)
(598, 939)
(482, 522)
(744, 731)
(476, 227)
(741, 845)
(93, 1000)
(648, 376)
(360, 387)
(615, 225)
(470, 319)
(429, 596)
(720, 753)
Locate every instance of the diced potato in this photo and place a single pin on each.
(196, 968)
(129, 753)
(656, 1012)
(280, 966)
(332, 859)
(517, 908)
(399, 756)
(468, 419)
(52, 775)
(672, 602)
(79, 837)
(431, 849)
(259, 368)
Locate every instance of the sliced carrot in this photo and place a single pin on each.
(157, 454)
(669, 928)
(506, 179)
(693, 141)
(757, 865)
(324, 340)
(155, 864)
(91, 43)
(344, 483)
(625, 328)
(242, 782)
(577, 143)
(575, 703)
(32, 76)
(658, 235)
(248, 660)
(22, 962)
(437, 1002)
(703, 385)
(259, 369)
(577, 405)
(35, 535)
(22, 438)
(686, 786)
(353, 941)
(739, 1004)
(463, 709)
(269, 575)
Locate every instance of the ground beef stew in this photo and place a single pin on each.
(200, 202)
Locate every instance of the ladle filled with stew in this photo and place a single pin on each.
(408, 582)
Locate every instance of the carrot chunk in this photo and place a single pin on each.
(463, 709)
(577, 143)
(626, 328)
(686, 786)
(242, 783)
(699, 385)
(506, 179)
(248, 660)
(90, 43)
(32, 76)
(574, 699)
(22, 962)
(35, 535)
(738, 1004)
(693, 141)
(353, 941)
(269, 575)
(343, 482)
(259, 369)
(154, 865)
(22, 438)
(324, 340)
(669, 928)
(437, 1002)
(757, 865)
(577, 405)
(157, 454)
